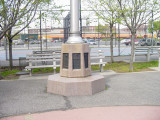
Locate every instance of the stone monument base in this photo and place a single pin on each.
(75, 86)
(70, 71)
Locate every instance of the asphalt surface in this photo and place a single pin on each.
(28, 94)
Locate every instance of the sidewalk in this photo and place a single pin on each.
(128, 95)
(97, 113)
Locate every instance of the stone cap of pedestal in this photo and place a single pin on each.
(75, 48)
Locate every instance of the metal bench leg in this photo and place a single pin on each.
(30, 72)
(54, 71)
(148, 54)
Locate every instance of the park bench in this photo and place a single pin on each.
(147, 51)
(43, 60)
(98, 55)
(52, 59)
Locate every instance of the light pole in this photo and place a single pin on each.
(98, 32)
(46, 33)
(115, 35)
(28, 32)
(40, 32)
(119, 39)
(152, 29)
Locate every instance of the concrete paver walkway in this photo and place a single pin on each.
(97, 113)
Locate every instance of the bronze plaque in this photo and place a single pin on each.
(65, 60)
(86, 60)
(76, 60)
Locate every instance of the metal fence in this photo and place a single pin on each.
(45, 33)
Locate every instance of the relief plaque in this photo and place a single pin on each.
(86, 60)
(65, 60)
(76, 60)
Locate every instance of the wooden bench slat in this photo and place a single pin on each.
(43, 66)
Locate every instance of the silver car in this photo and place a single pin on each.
(91, 42)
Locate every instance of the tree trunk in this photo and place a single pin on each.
(111, 42)
(9, 36)
(132, 51)
(10, 54)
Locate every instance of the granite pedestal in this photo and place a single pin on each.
(75, 86)
(75, 77)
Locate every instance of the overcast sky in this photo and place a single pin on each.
(66, 3)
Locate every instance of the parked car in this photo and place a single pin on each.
(15, 42)
(31, 42)
(147, 42)
(20, 42)
(36, 41)
(52, 40)
(3, 43)
(136, 42)
(158, 43)
(56, 41)
(85, 40)
(91, 42)
(124, 41)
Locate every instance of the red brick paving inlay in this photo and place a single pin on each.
(97, 113)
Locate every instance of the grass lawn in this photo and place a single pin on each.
(124, 67)
(117, 67)
(10, 74)
(120, 67)
(44, 70)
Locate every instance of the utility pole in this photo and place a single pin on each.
(40, 32)
(159, 29)
(46, 33)
(28, 33)
(152, 29)
(115, 35)
(119, 40)
(145, 25)
(98, 32)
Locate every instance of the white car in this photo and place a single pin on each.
(124, 41)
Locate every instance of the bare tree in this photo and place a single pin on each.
(135, 13)
(107, 10)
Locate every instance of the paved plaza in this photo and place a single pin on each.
(28, 94)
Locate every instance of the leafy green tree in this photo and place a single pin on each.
(102, 29)
(106, 10)
(156, 27)
(135, 13)
(16, 37)
(15, 13)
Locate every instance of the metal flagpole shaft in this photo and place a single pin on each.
(75, 15)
